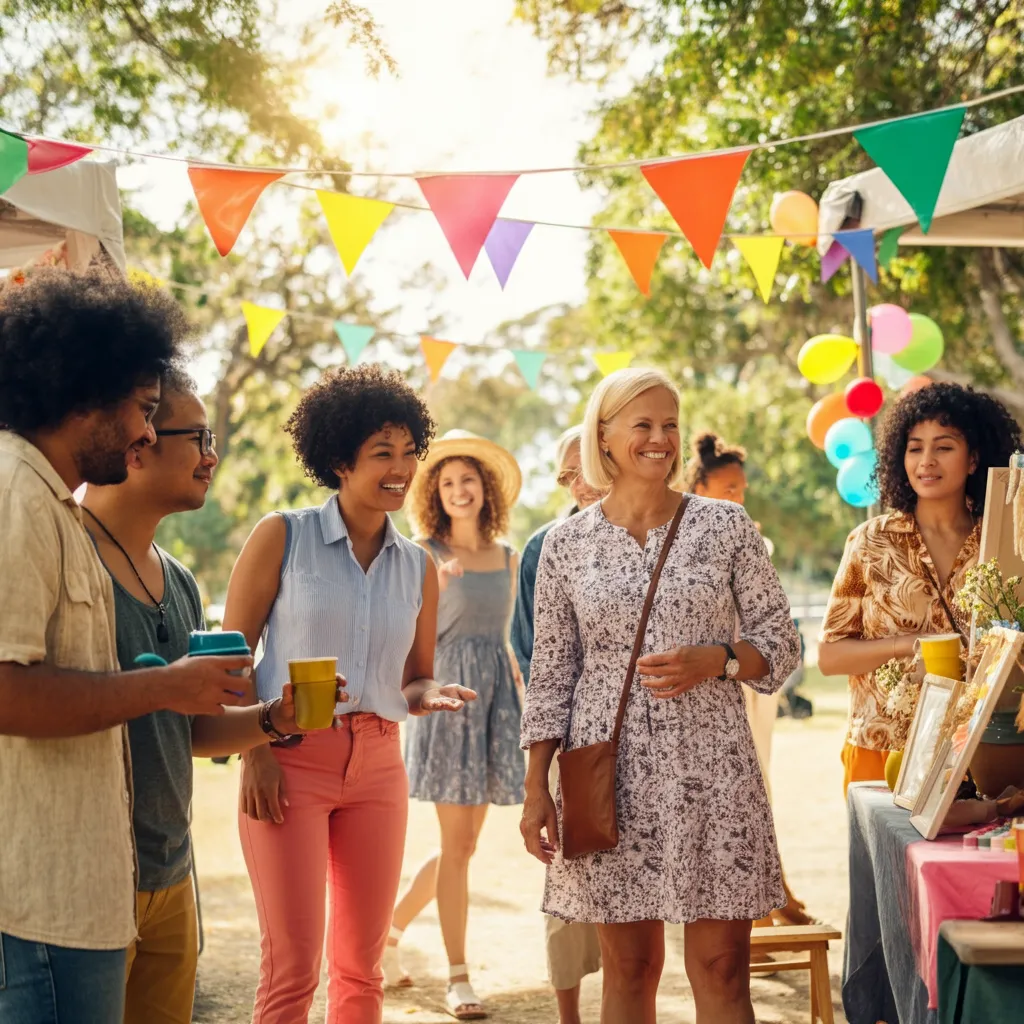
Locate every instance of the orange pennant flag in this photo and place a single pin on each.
(226, 198)
(698, 192)
(640, 250)
(436, 353)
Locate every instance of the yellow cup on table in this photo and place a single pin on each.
(941, 655)
(315, 688)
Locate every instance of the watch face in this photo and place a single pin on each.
(732, 668)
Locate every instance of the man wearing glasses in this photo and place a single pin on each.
(157, 605)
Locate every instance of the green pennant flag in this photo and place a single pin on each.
(13, 160)
(354, 338)
(529, 364)
(914, 153)
(890, 243)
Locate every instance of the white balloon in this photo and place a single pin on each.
(893, 374)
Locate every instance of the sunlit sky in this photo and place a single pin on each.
(472, 93)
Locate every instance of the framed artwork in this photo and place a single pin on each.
(997, 529)
(955, 753)
(938, 696)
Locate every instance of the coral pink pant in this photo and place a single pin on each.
(343, 831)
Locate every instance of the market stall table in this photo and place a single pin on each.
(981, 972)
(902, 888)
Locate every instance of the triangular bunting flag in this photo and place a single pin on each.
(833, 259)
(436, 353)
(504, 243)
(890, 243)
(13, 160)
(762, 256)
(226, 198)
(609, 362)
(352, 222)
(44, 155)
(914, 153)
(466, 206)
(640, 250)
(529, 364)
(354, 338)
(860, 244)
(698, 193)
(262, 321)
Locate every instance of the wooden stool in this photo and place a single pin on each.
(809, 939)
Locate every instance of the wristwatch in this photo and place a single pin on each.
(277, 739)
(732, 665)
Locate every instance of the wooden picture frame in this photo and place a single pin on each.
(954, 756)
(938, 695)
(997, 530)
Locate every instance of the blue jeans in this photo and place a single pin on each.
(42, 984)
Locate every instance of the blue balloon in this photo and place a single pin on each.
(846, 438)
(856, 481)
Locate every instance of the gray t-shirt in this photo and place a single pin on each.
(161, 743)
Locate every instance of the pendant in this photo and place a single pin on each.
(162, 633)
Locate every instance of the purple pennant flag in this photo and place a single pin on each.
(833, 260)
(503, 246)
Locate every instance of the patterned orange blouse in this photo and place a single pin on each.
(883, 589)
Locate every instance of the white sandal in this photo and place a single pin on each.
(395, 976)
(462, 1002)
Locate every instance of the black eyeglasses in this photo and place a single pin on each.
(207, 438)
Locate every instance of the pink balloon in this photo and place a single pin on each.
(891, 328)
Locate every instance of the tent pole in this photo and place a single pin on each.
(862, 335)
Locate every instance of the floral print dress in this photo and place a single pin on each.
(696, 833)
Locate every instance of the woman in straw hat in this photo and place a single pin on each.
(460, 503)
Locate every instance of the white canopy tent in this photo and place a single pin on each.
(981, 202)
(78, 204)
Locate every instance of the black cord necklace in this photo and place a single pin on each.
(162, 633)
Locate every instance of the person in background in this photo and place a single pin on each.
(325, 814)
(157, 606)
(81, 358)
(696, 840)
(718, 470)
(901, 571)
(573, 948)
(460, 506)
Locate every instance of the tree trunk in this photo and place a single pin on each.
(1003, 341)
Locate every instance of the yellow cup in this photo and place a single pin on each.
(941, 655)
(315, 690)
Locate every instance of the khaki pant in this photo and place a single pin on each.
(762, 710)
(162, 960)
(573, 949)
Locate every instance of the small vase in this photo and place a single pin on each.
(999, 760)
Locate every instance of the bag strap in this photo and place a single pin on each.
(945, 607)
(641, 629)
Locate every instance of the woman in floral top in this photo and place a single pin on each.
(935, 450)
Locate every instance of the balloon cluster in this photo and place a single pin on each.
(904, 345)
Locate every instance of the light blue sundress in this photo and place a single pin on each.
(472, 756)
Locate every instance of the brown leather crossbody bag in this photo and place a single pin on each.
(587, 774)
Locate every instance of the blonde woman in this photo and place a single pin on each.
(460, 503)
(697, 842)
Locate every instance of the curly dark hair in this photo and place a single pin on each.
(710, 453)
(991, 433)
(343, 408)
(73, 342)
(431, 520)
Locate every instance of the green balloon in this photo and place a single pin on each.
(925, 348)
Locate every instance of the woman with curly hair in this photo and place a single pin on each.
(901, 571)
(460, 505)
(326, 812)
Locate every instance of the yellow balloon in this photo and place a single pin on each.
(825, 359)
(794, 215)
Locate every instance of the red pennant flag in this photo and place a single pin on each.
(226, 198)
(44, 155)
(640, 250)
(466, 206)
(698, 193)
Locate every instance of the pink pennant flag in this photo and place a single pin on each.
(44, 155)
(833, 259)
(466, 207)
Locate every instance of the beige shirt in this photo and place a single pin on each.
(67, 859)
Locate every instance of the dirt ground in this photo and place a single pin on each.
(506, 931)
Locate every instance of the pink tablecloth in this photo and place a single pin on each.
(946, 881)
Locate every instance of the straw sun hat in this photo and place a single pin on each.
(459, 443)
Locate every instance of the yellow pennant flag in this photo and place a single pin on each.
(436, 353)
(609, 362)
(352, 222)
(762, 256)
(262, 321)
